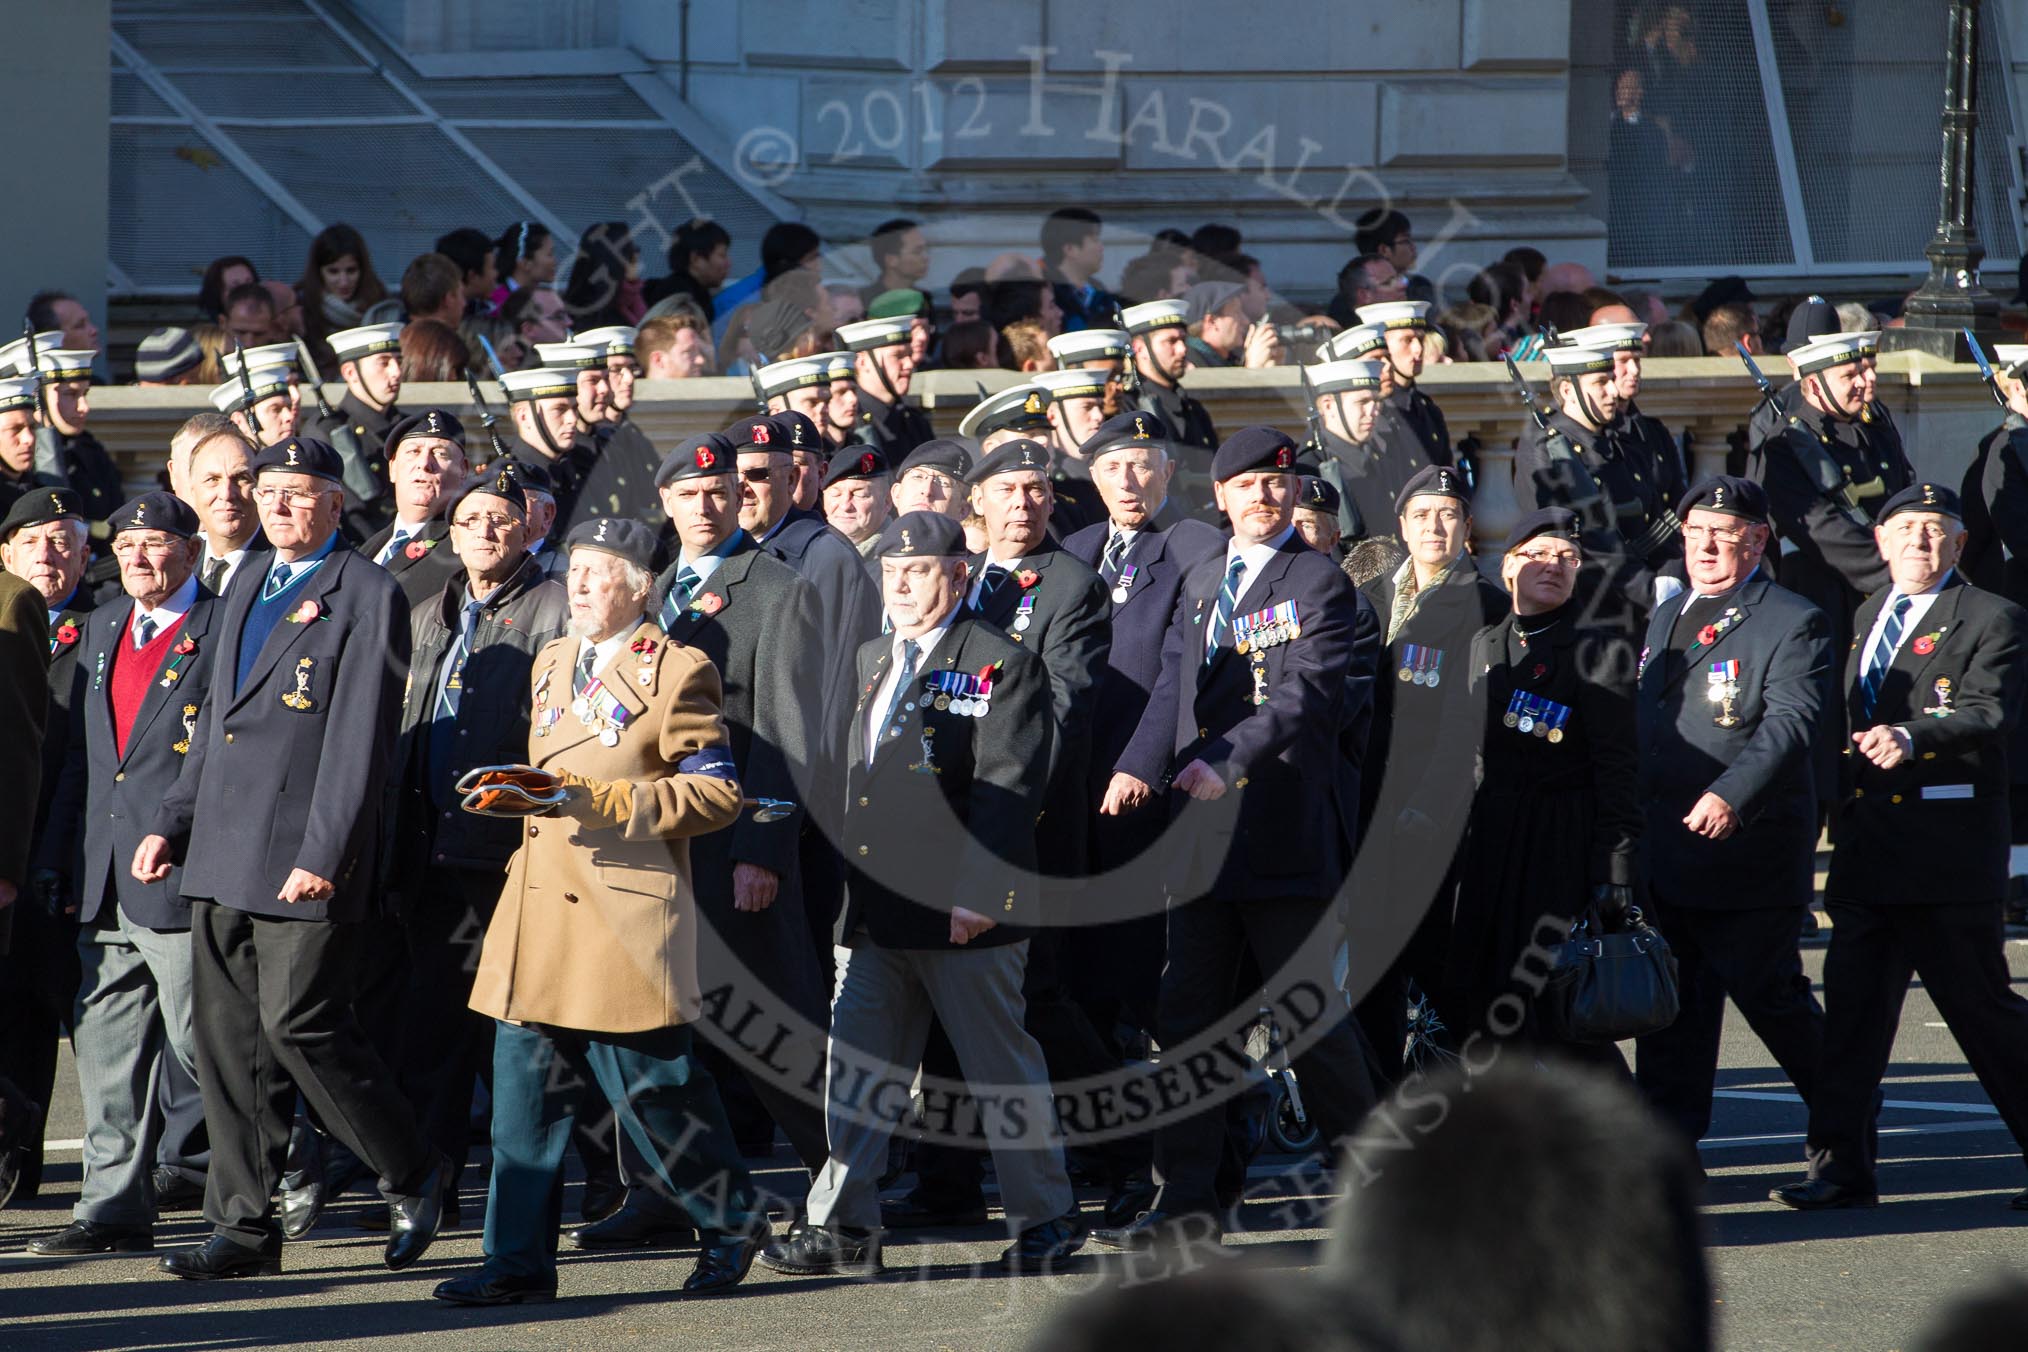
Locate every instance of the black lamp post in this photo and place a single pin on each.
(1952, 299)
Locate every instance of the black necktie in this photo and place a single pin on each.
(911, 653)
(990, 583)
(214, 574)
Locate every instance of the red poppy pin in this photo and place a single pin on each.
(1027, 577)
(868, 463)
(1541, 670)
(641, 645)
(1708, 635)
(66, 633)
(305, 613)
(709, 603)
(186, 645)
(1925, 645)
(417, 548)
(705, 458)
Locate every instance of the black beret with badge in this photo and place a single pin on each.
(618, 535)
(429, 422)
(1923, 497)
(1125, 431)
(1440, 481)
(921, 535)
(1319, 495)
(532, 478)
(1011, 458)
(1251, 450)
(1728, 495)
(797, 433)
(501, 483)
(698, 457)
(300, 455)
(941, 454)
(1559, 522)
(759, 433)
(855, 462)
(156, 511)
(39, 507)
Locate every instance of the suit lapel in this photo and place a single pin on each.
(1855, 656)
(287, 631)
(1937, 621)
(1150, 548)
(195, 630)
(1731, 615)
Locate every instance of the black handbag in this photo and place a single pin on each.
(1607, 987)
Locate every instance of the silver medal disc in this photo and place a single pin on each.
(609, 736)
(1022, 621)
(580, 707)
(961, 707)
(1433, 677)
(978, 708)
(1119, 595)
(1526, 724)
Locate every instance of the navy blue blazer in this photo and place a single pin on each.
(848, 612)
(107, 801)
(1282, 756)
(287, 770)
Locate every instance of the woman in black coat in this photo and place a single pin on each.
(1416, 773)
(1556, 819)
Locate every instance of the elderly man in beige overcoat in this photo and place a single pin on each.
(590, 961)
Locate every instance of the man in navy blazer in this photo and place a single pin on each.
(1257, 666)
(144, 669)
(276, 819)
(1734, 680)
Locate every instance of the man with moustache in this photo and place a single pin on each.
(1076, 407)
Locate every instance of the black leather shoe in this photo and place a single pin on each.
(633, 1226)
(819, 1250)
(82, 1238)
(412, 1221)
(600, 1200)
(174, 1192)
(1127, 1199)
(725, 1260)
(15, 1158)
(494, 1288)
(1162, 1229)
(300, 1207)
(1821, 1194)
(1045, 1247)
(916, 1212)
(219, 1257)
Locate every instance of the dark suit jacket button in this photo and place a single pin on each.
(440, 856)
(862, 849)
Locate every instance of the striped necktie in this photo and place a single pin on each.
(144, 631)
(1882, 656)
(1228, 601)
(995, 575)
(1116, 555)
(911, 653)
(680, 593)
(278, 582)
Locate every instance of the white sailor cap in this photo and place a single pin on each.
(1356, 341)
(263, 382)
(615, 340)
(1571, 359)
(1156, 314)
(17, 392)
(68, 363)
(14, 356)
(1396, 314)
(839, 364)
(2011, 359)
(1834, 349)
(576, 355)
(258, 358)
(1079, 382)
(779, 377)
(1090, 345)
(1613, 337)
(1329, 377)
(365, 341)
(868, 334)
(1020, 408)
(540, 382)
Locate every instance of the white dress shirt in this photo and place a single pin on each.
(174, 608)
(1918, 606)
(876, 708)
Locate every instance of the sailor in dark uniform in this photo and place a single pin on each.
(1995, 497)
(1075, 409)
(262, 405)
(1161, 336)
(543, 403)
(612, 484)
(1368, 470)
(883, 366)
(369, 362)
(625, 451)
(1102, 350)
(1641, 438)
(801, 385)
(66, 453)
(17, 441)
(1017, 411)
(1405, 323)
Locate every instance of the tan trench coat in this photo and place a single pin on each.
(596, 927)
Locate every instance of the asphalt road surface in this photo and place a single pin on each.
(1826, 1283)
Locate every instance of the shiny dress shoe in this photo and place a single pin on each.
(600, 1200)
(1821, 1194)
(819, 1250)
(174, 1192)
(1045, 1247)
(725, 1260)
(82, 1238)
(300, 1207)
(917, 1212)
(633, 1226)
(1162, 1229)
(1127, 1199)
(373, 1219)
(412, 1221)
(495, 1288)
(16, 1157)
(219, 1257)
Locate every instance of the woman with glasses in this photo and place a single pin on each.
(1556, 819)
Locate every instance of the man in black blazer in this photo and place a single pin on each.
(276, 819)
(426, 467)
(757, 621)
(949, 747)
(1142, 550)
(1256, 670)
(147, 666)
(1735, 676)
(24, 700)
(1920, 838)
(44, 541)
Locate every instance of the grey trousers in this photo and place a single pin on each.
(880, 1019)
(133, 1005)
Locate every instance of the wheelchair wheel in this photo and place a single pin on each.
(1291, 1135)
